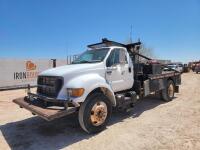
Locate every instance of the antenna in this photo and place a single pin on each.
(67, 52)
(131, 34)
(67, 48)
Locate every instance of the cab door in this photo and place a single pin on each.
(119, 74)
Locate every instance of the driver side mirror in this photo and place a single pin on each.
(108, 63)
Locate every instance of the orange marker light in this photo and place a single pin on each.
(77, 92)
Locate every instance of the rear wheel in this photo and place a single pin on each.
(94, 113)
(168, 93)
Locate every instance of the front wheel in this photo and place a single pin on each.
(168, 92)
(94, 113)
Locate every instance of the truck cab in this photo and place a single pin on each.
(176, 66)
(197, 68)
(109, 68)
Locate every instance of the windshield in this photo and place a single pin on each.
(92, 56)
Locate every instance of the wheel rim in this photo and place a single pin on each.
(98, 113)
(171, 90)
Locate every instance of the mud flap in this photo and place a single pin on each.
(146, 88)
(176, 89)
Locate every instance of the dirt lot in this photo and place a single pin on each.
(152, 125)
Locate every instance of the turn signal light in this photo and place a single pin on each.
(76, 92)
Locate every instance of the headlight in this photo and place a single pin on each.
(75, 92)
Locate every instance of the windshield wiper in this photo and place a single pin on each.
(95, 61)
(86, 61)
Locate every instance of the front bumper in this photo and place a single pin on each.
(54, 101)
(45, 98)
(36, 104)
(48, 113)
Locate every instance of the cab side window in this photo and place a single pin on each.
(117, 56)
(122, 57)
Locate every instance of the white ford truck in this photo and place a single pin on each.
(107, 75)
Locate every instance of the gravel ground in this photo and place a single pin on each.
(151, 125)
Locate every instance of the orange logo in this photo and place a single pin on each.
(30, 66)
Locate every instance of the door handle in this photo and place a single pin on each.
(129, 69)
(110, 69)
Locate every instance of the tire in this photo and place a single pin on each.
(95, 105)
(166, 95)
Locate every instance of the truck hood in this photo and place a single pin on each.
(71, 69)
